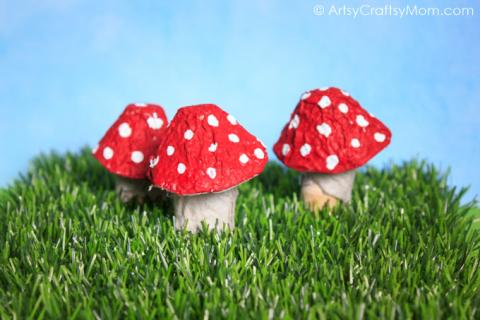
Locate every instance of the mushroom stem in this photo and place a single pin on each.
(216, 209)
(320, 190)
(135, 190)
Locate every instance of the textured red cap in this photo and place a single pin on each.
(329, 132)
(132, 139)
(206, 150)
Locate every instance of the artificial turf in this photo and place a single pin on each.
(404, 248)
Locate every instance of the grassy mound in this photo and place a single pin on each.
(404, 248)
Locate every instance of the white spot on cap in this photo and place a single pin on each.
(324, 102)
(332, 161)
(294, 122)
(137, 156)
(188, 135)
(305, 150)
(124, 130)
(232, 119)
(306, 95)
(355, 143)
(155, 122)
(345, 93)
(259, 153)
(285, 149)
(95, 150)
(343, 108)
(154, 162)
(170, 150)
(324, 88)
(181, 168)
(379, 137)
(233, 137)
(213, 147)
(212, 120)
(243, 158)
(361, 121)
(140, 104)
(324, 129)
(212, 173)
(108, 153)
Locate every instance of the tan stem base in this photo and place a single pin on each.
(321, 190)
(315, 199)
(135, 190)
(217, 210)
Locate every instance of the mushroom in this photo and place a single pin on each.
(127, 146)
(328, 136)
(202, 158)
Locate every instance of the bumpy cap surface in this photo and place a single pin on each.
(206, 150)
(329, 132)
(131, 140)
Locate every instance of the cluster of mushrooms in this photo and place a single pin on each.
(203, 154)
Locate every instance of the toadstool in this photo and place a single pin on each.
(127, 146)
(202, 158)
(328, 136)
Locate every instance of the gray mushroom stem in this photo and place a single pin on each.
(130, 190)
(217, 210)
(320, 190)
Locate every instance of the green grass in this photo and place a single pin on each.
(404, 248)
(474, 213)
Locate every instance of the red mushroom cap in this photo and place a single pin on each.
(206, 150)
(329, 132)
(131, 140)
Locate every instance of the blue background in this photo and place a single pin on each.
(68, 68)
